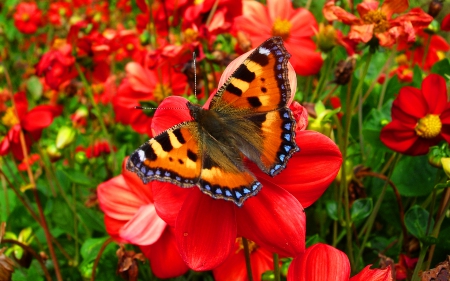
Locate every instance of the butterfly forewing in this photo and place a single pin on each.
(172, 156)
(260, 83)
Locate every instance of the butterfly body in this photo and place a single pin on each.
(247, 118)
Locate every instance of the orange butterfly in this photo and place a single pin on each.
(247, 117)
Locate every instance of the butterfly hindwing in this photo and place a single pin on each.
(260, 83)
(172, 156)
(278, 131)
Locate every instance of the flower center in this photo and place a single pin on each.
(198, 2)
(429, 126)
(129, 47)
(25, 17)
(161, 92)
(377, 18)
(251, 245)
(281, 28)
(10, 119)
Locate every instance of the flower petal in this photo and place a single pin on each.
(279, 9)
(168, 200)
(311, 170)
(390, 7)
(172, 111)
(145, 227)
(165, 260)
(273, 219)
(373, 274)
(40, 117)
(320, 262)
(397, 136)
(435, 92)
(205, 231)
(117, 200)
(411, 102)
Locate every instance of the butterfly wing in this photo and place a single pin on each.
(173, 156)
(258, 92)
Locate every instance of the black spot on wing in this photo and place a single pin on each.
(244, 74)
(191, 155)
(179, 135)
(149, 152)
(264, 89)
(234, 90)
(164, 140)
(259, 58)
(180, 161)
(254, 101)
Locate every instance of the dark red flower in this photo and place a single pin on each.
(445, 25)
(30, 122)
(274, 218)
(130, 217)
(57, 65)
(420, 118)
(27, 17)
(295, 26)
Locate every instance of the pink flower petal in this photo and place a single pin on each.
(117, 200)
(279, 9)
(205, 231)
(145, 227)
(273, 219)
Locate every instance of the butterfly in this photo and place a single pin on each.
(248, 118)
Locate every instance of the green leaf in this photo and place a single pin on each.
(416, 221)
(34, 272)
(78, 177)
(34, 87)
(313, 240)
(93, 219)
(417, 77)
(413, 176)
(91, 247)
(361, 209)
(442, 68)
(331, 207)
(62, 216)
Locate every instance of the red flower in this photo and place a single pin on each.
(27, 17)
(234, 268)
(274, 218)
(59, 12)
(296, 27)
(420, 118)
(144, 85)
(434, 44)
(130, 217)
(30, 122)
(445, 25)
(99, 147)
(321, 262)
(378, 22)
(57, 66)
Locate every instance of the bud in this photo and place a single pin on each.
(268, 276)
(348, 171)
(433, 27)
(326, 37)
(65, 137)
(128, 267)
(80, 157)
(445, 161)
(435, 156)
(435, 7)
(344, 71)
(53, 152)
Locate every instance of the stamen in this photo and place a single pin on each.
(429, 126)
(378, 18)
(281, 28)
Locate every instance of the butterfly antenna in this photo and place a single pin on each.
(154, 108)
(195, 74)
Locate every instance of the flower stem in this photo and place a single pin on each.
(276, 267)
(247, 259)
(97, 112)
(323, 78)
(386, 79)
(423, 252)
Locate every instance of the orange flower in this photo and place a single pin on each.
(378, 22)
(295, 26)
